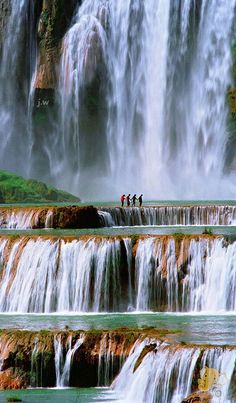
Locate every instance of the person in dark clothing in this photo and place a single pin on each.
(134, 198)
(122, 199)
(140, 199)
(128, 200)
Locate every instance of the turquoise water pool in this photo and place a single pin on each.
(197, 328)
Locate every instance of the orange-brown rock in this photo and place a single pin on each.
(203, 397)
(76, 217)
(10, 380)
(18, 347)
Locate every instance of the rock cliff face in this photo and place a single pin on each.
(30, 358)
(204, 397)
(95, 358)
(54, 20)
(4, 12)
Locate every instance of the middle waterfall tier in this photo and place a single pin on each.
(116, 274)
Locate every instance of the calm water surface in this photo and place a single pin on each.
(67, 395)
(198, 329)
(229, 230)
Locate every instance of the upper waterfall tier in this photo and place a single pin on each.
(107, 274)
(148, 364)
(50, 217)
(91, 217)
(171, 215)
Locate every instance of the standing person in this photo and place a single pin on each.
(122, 199)
(128, 200)
(140, 199)
(134, 198)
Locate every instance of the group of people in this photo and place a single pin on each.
(128, 199)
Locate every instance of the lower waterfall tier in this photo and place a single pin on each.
(116, 274)
(140, 365)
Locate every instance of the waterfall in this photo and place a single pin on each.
(166, 374)
(106, 218)
(36, 371)
(105, 362)
(162, 273)
(63, 365)
(169, 215)
(154, 261)
(197, 81)
(84, 48)
(188, 281)
(141, 91)
(166, 69)
(43, 217)
(109, 362)
(201, 289)
(145, 276)
(16, 69)
(60, 275)
(20, 219)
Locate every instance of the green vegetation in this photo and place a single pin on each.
(15, 189)
(13, 399)
(178, 236)
(134, 239)
(207, 231)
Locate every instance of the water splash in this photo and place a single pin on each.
(166, 374)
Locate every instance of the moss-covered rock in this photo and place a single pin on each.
(203, 397)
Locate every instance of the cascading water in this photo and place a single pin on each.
(167, 67)
(169, 215)
(63, 365)
(56, 275)
(105, 362)
(167, 374)
(191, 276)
(107, 275)
(44, 217)
(16, 69)
(83, 49)
(201, 289)
(142, 89)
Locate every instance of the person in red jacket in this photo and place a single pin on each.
(122, 199)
